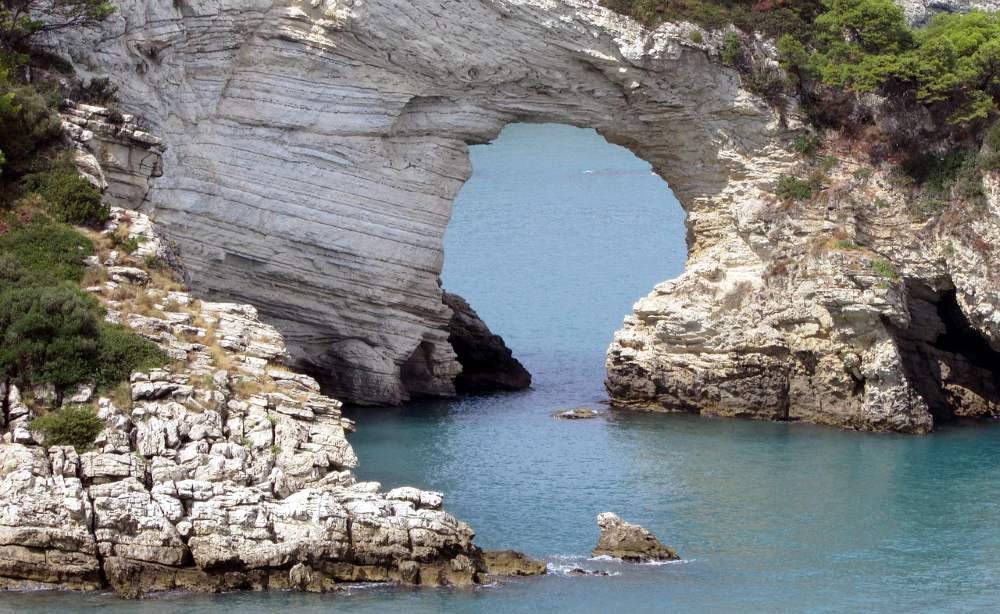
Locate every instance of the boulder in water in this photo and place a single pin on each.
(511, 563)
(629, 542)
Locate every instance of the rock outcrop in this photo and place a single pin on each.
(224, 471)
(629, 542)
(510, 563)
(487, 362)
(315, 148)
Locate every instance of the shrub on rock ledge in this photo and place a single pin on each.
(70, 197)
(48, 335)
(70, 426)
(45, 252)
(122, 352)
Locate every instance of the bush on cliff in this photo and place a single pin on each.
(121, 353)
(45, 252)
(19, 23)
(48, 334)
(50, 330)
(28, 126)
(70, 197)
(70, 426)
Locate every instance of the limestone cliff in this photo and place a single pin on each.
(313, 150)
(224, 471)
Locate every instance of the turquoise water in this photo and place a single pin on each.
(554, 238)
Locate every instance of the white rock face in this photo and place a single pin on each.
(313, 150)
(223, 471)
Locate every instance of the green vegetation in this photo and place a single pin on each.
(831, 49)
(48, 334)
(846, 244)
(697, 38)
(731, 52)
(70, 197)
(70, 426)
(884, 268)
(17, 26)
(43, 252)
(121, 353)
(771, 17)
(51, 331)
(794, 188)
(807, 145)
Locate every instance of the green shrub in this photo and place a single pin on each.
(793, 188)
(70, 197)
(846, 244)
(773, 18)
(731, 52)
(128, 244)
(48, 335)
(122, 352)
(696, 37)
(28, 126)
(884, 268)
(45, 252)
(11, 271)
(807, 144)
(70, 426)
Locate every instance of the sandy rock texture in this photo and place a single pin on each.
(313, 150)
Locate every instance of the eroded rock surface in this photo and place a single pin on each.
(629, 542)
(313, 150)
(511, 563)
(224, 471)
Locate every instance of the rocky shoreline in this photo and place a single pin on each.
(224, 471)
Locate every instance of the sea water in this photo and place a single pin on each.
(553, 239)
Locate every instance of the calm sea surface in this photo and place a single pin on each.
(553, 239)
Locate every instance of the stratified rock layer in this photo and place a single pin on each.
(314, 149)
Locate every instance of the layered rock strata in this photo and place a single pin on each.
(224, 471)
(315, 147)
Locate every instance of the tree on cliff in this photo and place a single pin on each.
(22, 19)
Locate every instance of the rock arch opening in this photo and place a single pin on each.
(311, 165)
(552, 239)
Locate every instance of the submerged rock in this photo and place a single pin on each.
(629, 542)
(577, 413)
(511, 563)
(579, 571)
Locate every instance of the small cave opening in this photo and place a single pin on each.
(417, 373)
(950, 363)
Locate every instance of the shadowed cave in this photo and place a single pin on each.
(952, 365)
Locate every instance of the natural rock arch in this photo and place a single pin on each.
(314, 150)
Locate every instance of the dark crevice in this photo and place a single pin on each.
(487, 363)
(947, 361)
(417, 373)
